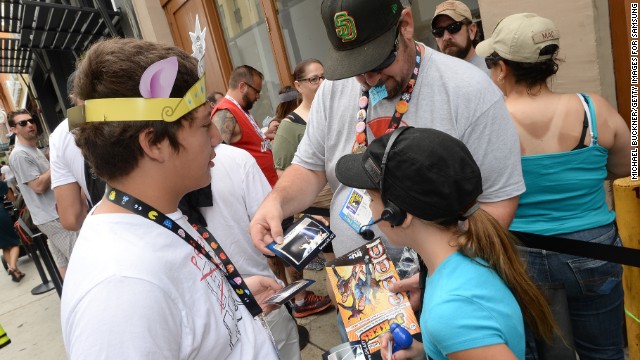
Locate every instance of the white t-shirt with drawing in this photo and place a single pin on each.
(136, 290)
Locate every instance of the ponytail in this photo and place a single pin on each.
(487, 239)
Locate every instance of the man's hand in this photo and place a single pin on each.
(295, 191)
(416, 351)
(322, 219)
(272, 129)
(412, 286)
(266, 226)
(262, 288)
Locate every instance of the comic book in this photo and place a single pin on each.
(360, 280)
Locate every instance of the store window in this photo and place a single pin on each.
(305, 36)
(248, 42)
(302, 30)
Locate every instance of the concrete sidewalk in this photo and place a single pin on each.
(33, 321)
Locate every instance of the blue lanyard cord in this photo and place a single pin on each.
(236, 281)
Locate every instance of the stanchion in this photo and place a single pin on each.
(46, 285)
(626, 194)
(37, 243)
(49, 263)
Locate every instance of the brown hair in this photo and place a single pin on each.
(285, 108)
(245, 74)
(15, 113)
(485, 238)
(301, 68)
(530, 74)
(212, 97)
(112, 69)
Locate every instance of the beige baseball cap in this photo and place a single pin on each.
(456, 10)
(520, 38)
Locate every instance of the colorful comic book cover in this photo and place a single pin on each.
(360, 281)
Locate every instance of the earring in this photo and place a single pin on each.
(501, 79)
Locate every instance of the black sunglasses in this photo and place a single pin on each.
(452, 28)
(389, 60)
(23, 123)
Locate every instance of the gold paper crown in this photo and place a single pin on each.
(138, 109)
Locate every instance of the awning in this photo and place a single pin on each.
(13, 58)
(10, 15)
(50, 26)
(64, 27)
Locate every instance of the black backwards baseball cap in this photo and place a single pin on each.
(429, 174)
(362, 34)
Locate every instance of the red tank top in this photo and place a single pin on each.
(258, 146)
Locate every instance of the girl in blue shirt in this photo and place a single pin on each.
(423, 186)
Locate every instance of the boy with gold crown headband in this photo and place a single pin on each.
(144, 283)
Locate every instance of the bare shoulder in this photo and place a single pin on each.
(608, 120)
(222, 116)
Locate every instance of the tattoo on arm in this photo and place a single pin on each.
(226, 123)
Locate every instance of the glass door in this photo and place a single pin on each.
(248, 42)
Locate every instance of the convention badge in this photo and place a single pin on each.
(356, 211)
(377, 93)
(288, 292)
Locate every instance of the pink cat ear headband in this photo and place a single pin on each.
(156, 84)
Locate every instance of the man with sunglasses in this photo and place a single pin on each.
(379, 78)
(454, 30)
(237, 126)
(33, 175)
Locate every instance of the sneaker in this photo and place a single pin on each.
(312, 304)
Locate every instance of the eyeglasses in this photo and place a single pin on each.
(258, 91)
(314, 80)
(452, 28)
(23, 123)
(389, 60)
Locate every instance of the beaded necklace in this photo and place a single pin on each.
(402, 106)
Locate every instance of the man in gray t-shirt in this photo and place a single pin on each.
(448, 95)
(454, 30)
(33, 176)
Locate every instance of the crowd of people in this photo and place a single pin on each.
(163, 218)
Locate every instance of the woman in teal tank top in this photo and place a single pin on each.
(570, 143)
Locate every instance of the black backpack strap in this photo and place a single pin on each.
(295, 118)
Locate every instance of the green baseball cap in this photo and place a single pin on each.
(362, 34)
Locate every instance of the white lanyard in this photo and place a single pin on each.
(251, 120)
